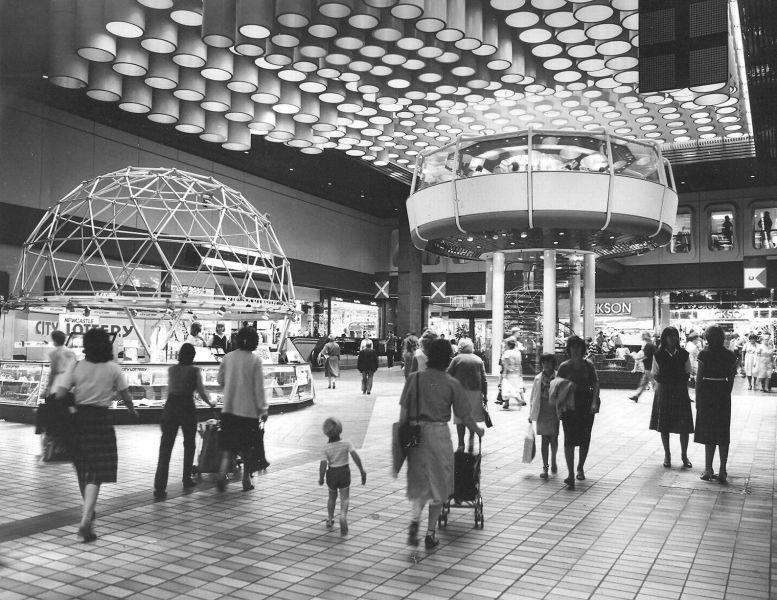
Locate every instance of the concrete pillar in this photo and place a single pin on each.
(574, 300)
(409, 278)
(497, 309)
(589, 294)
(549, 301)
(489, 282)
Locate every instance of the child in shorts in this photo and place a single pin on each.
(334, 464)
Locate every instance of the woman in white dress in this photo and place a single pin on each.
(750, 352)
(764, 364)
(512, 375)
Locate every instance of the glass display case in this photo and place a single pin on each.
(24, 383)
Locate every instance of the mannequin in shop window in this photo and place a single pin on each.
(765, 229)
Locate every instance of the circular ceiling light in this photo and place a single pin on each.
(560, 19)
(571, 36)
(536, 35)
(603, 31)
(594, 12)
(522, 19)
(711, 99)
(582, 51)
(507, 4)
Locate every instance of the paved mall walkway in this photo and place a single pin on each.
(633, 529)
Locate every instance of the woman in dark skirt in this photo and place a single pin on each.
(714, 381)
(241, 376)
(579, 422)
(671, 402)
(94, 381)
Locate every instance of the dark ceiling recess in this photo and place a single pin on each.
(759, 24)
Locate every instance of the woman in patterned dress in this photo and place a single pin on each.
(671, 402)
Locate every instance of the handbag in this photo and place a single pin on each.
(486, 415)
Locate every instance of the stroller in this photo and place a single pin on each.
(466, 487)
(209, 455)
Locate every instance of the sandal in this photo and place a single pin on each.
(581, 474)
(687, 463)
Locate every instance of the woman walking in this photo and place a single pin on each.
(579, 422)
(240, 373)
(543, 413)
(512, 375)
(94, 381)
(751, 356)
(411, 345)
(671, 402)
(331, 357)
(431, 394)
(183, 380)
(470, 371)
(717, 371)
(764, 364)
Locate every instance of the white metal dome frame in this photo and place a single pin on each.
(159, 243)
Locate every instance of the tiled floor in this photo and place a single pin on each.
(631, 530)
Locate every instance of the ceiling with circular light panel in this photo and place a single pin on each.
(383, 80)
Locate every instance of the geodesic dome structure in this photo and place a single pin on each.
(155, 241)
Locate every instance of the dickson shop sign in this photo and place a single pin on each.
(612, 308)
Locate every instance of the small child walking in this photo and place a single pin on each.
(334, 464)
(544, 414)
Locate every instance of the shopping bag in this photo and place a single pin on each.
(529, 447)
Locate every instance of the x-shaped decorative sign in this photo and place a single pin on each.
(438, 290)
(382, 289)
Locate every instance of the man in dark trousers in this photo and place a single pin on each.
(367, 363)
(646, 356)
(391, 349)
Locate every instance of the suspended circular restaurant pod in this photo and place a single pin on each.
(157, 248)
(567, 196)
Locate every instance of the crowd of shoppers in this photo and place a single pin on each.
(436, 385)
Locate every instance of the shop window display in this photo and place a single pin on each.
(681, 234)
(764, 234)
(721, 225)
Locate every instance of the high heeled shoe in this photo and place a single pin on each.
(667, 461)
(544, 474)
(431, 541)
(687, 464)
(722, 476)
(553, 468)
(581, 474)
(87, 534)
(570, 482)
